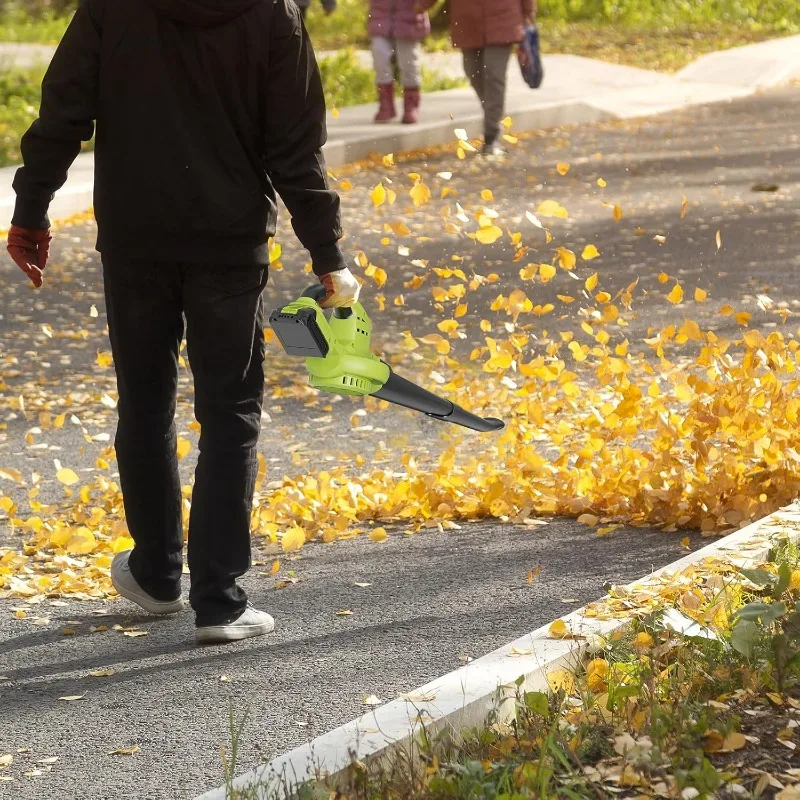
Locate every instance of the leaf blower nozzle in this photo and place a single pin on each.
(339, 359)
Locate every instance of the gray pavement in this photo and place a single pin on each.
(434, 597)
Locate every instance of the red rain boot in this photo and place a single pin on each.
(386, 109)
(411, 100)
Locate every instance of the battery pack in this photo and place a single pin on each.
(299, 333)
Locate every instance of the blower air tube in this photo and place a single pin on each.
(401, 392)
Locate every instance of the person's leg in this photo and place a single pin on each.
(145, 322)
(473, 68)
(496, 67)
(225, 337)
(382, 52)
(303, 11)
(409, 61)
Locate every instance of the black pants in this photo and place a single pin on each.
(149, 306)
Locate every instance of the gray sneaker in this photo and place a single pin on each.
(251, 622)
(127, 587)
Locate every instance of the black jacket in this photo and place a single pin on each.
(203, 108)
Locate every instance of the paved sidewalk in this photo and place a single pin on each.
(576, 90)
(434, 598)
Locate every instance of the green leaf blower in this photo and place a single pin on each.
(339, 359)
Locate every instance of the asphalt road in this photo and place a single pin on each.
(434, 598)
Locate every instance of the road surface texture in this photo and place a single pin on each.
(435, 598)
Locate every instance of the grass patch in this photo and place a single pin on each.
(682, 704)
(662, 35)
(346, 83)
(17, 24)
(20, 91)
(666, 49)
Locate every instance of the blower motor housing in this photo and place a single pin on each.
(337, 349)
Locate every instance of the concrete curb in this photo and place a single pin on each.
(464, 699)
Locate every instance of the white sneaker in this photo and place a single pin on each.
(495, 152)
(251, 622)
(127, 586)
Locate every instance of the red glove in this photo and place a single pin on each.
(30, 250)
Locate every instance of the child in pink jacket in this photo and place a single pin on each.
(397, 27)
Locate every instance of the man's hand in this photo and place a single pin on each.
(343, 289)
(30, 249)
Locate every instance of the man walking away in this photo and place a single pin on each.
(204, 108)
(486, 32)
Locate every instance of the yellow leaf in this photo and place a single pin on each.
(378, 195)
(67, 476)
(601, 183)
(684, 206)
(420, 194)
(104, 359)
(293, 539)
(81, 542)
(275, 251)
(184, 446)
(642, 642)
(400, 228)
(550, 208)
(128, 751)
(686, 542)
(561, 681)
(589, 252)
(275, 568)
(447, 326)
(388, 160)
(489, 234)
(562, 168)
(733, 741)
(718, 239)
(11, 474)
(700, 295)
(378, 535)
(546, 272)
(558, 630)
(597, 671)
(663, 277)
(617, 213)
(566, 258)
(121, 543)
(486, 194)
(591, 282)
(676, 295)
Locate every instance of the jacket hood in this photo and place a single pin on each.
(202, 13)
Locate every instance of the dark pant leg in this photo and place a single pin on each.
(143, 303)
(495, 70)
(225, 338)
(303, 11)
(473, 67)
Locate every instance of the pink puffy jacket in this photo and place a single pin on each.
(398, 19)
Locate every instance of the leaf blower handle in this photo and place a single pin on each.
(317, 293)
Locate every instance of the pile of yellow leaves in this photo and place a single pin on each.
(684, 429)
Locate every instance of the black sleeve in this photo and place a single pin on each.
(295, 132)
(66, 118)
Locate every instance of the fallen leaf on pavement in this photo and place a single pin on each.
(124, 751)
